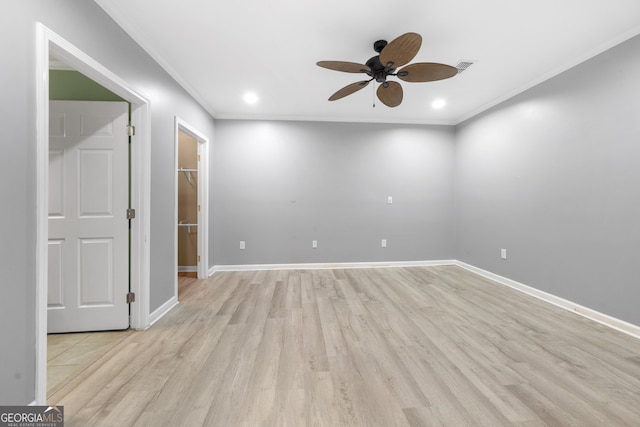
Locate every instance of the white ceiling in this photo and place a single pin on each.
(218, 50)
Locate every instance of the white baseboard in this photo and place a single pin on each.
(612, 322)
(162, 310)
(187, 268)
(329, 266)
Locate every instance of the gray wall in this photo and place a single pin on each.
(280, 185)
(85, 25)
(553, 176)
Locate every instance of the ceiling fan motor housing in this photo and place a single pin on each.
(378, 71)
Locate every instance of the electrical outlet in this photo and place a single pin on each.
(503, 253)
(242, 244)
(314, 244)
(383, 243)
(390, 200)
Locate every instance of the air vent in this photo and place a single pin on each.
(463, 65)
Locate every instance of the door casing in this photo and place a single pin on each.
(51, 45)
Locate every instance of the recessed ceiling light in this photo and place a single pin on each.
(438, 103)
(250, 98)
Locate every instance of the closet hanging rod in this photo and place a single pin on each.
(187, 173)
(187, 224)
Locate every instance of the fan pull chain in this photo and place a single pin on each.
(373, 95)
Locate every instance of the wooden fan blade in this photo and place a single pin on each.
(391, 96)
(426, 72)
(347, 67)
(401, 50)
(349, 89)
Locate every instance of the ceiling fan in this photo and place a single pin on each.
(393, 55)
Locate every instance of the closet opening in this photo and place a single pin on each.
(191, 204)
(188, 205)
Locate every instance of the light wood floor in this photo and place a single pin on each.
(363, 347)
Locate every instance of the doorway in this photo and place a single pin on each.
(51, 46)
(191, 201)
(188, 204)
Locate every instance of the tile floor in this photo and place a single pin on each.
(70, 354)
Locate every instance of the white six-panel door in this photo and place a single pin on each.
(88, 228)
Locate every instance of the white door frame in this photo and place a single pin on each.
(51, 44)
(203, 198)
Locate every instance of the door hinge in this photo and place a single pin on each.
(198, 258)
(131, 130)
(198, 208)
(131, 213)
(131, 297)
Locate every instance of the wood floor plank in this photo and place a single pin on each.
(415, 346)
(261, 386)
(313, 345)
(291, 365)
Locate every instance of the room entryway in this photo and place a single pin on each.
(95, 251)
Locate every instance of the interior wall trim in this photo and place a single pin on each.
(596, 316)
(159, 312)
(328, 266)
